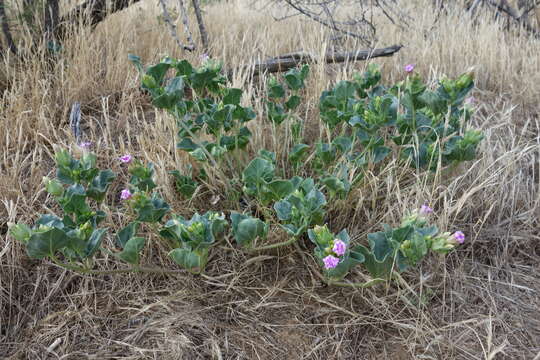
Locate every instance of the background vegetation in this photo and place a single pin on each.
(479, 303)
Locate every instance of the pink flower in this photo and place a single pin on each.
(409, 68)
(125, 194)
(425, 210)
(205, 57)
(85, 145)
(126, 159)
(339, 247)
(459, 236)
(330, 262)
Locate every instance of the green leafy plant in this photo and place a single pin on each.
(301, 209)
(200, 101)
(247, 229)
(76, 235)
(259, 182)
(193, 238)
(283, 97)
(334, 253)
(396, 249)
(185, 184)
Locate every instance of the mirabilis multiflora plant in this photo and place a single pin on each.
(365, 123)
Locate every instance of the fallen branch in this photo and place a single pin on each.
(289, 61)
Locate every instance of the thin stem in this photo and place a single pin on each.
(356, 285)
(292, 240)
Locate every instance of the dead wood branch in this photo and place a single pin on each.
(289, 61)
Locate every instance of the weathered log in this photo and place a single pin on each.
(289, 61)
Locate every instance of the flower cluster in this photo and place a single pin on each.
(338, 249)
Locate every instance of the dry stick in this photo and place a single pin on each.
(200, 21)
(325, 23)
(292, 60)
(172, 26)
(5, 28)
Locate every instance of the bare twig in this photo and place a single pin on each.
(172, 26)
(325, 17)
(511, 13)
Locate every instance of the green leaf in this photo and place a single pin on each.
(189, 259)
(50, 221)
(153, 211)
(94, 242)
(158, 72)
(280, 188)
(344, 90)
(123, 236)
(283, 210)
(99, 185)
(275, 90)
(298, 153)
(380, 153)
(293, 80)
(186, 144)
(73, 200)
(46, 242)
(20, 232)
(293, 102)
(233, 96)
(258, 171)
(246, 229)
(183, 67)
(53, 187)
(133, 247)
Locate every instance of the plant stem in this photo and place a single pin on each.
(356, 285)
(292, 240)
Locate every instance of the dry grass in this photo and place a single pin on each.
(479, 303)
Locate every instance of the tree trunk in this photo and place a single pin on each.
(5, 28)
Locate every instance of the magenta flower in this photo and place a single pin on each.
(339, 247)
(330, 262)
(459, 236)
(126, 159)
(425, 210)
(409, 68)
(125, 194)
